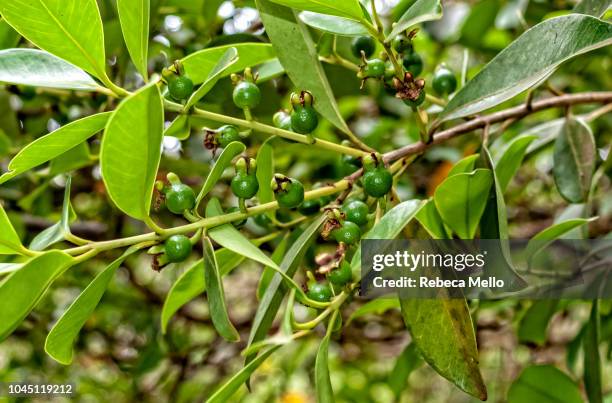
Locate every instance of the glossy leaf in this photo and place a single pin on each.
(534, 324)
(461, 200)
(179, 128)
(191, 283)
(59, 230)
(272, 298)
(333, 24)
(340, 8)
(550, 234)
(10, 243)
(432, 320)
(592, 361)
(527, 61)
(596, 8)
(544, 384)
(198, 65)
(70, 29)
(62, 336)
(227, 59)
(41, 69)
(131, 151)
(430, 219)
(229, 237)
(134, 16)
(76, 158)
(23, 289)
(510, 161)
(574, 160)
(54, 144)
(6, 268)
(408, 361)
(225, 392)
(216, 294)
(298, 55)
(224, 160)
(465, 165)
(420, 11)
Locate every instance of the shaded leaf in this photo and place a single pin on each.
(227, 59)
(342, 8)
(224, 160)
(265, 172)
(333, 24)
(134, 16)
(592, 360)
(216, 294)
(70, 29)
(408, 361)
(325, 393)
(528, 61)
(430, 219)
(574, 160)
(420, 11)
(55, 144)
(377, 306)
(277, 256)
(62, 336)
(298, 55)
(508, 164)
(23, 289)
(534, 324)
(179, 128)
(543, 384)
(596, 8)
(548, 235)
(131, 151)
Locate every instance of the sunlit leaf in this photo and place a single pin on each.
(224, 160)
(134, 16)
(333, 24)
(420, 11)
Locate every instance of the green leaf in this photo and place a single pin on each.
(9, 38)
(574, 160)
(41, 69)
(227, 59)
(70, 29)
(191, 284)
(198, 65)
(62, 336)
(134, 16)
(265, 171)
(596, 8)
(548, 235)
(465, 165)
(23, 289)
(534, 324)
(10, 243)
(377, 306)
(277, 256)
(179, 128)
(272, 298)
(298, 55)
(131, 150)
(544, 384)
(333, 24)
(59, 230)
(55, 144)
(461, 200)
(216, 294)
(592, 360)
(443, 332)
(430, 219)
(408, 361)
(225, 159)
(325, 393)
(508, 164)
(6, 268)
(341, 8)
(76, 158)
(420, 11)
(223, 394)
(528, 61)
(229, 237)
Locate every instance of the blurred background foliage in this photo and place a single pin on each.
(121, 354)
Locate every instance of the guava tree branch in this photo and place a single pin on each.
(515, 113)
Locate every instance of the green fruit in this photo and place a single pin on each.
(304, 119)
(244, 185)
(348, 233)
(402, 44)
(282, 120)
(262, 220)
(237, 224)
(180, 88)
(180, 197)
(177, 248)
(374, 68)
(444, 81)
(228, 134)
(342, 275)
(246, 95)
(356, 211)
(320, 292)
(348, 164)
(292, 195)
(377, 182)
(413, 63)
(416, 102)
(365, 43)
(310, 207)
